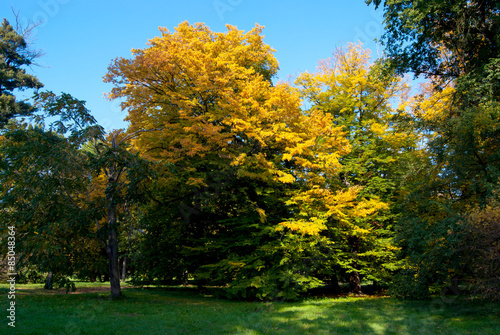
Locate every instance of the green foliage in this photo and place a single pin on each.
(14, 55)
(481, 247)
(430, 234)
(39, 195)
(215, 237)
(447, 247)
(156, 255)
(43, 181)
(408, 284)
(66, 283)
(30, 275)
(260, 264)
(456, 45)
(444, 39)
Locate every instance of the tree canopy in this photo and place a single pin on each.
(15, 56)
(440, 38)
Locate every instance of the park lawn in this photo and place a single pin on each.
(185, 311)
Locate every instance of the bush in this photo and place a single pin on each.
(408, 284)
(432, 255)
(30, 276)
(482, 247)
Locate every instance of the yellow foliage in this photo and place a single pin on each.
(196, 182)
(212, 96)
(211, 93)
(346, 87)
(378, 128)
(262, 214)
(433, 105)
(350, 92)
(305, 227)
(368, 207)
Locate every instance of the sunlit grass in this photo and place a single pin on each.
(185, 311)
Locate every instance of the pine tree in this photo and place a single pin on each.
(15, 55)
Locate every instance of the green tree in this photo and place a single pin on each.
(444, 39)
(456, 45)
(15, 55)
(119, 172)
(64, 181)
(43, 183)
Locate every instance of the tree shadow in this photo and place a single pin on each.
(186, 311)
(373, 316)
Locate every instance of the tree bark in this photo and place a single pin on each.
(375, 286)
(49, 281)
(355, 283)
(354, 278)
(113, 174)
(124, 268)
(112, 251)
(114, 273)
(334, 283)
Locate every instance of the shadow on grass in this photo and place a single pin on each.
(185, 311)
(373, 316)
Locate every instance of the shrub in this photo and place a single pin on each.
(482, 248)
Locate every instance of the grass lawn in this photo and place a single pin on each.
(184, 311)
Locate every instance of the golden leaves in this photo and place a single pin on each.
(305, 227)
(197, 84)
(212, 95)
(433, 105)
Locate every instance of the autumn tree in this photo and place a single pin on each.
(245, 170)
(369, 105)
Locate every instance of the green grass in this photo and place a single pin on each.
(184, 311)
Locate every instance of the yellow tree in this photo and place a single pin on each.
(213, 97)
(369, 104)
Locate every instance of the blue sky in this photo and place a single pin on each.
(79, 38)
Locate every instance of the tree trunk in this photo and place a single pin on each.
(375, 286)
(124, 268)
(112, 248)
(114, 273)
(354, 278)
(49, 281)
(113, 174)
(334, 283)
(105, 276)
(355, 283)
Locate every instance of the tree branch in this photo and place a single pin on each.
(135, 133)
